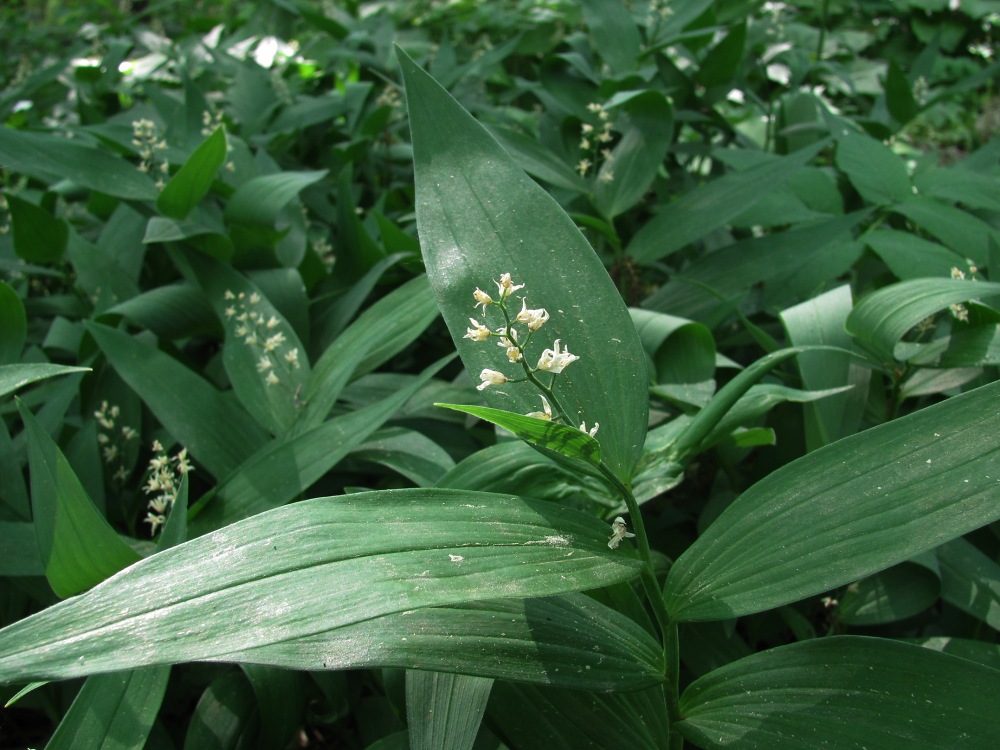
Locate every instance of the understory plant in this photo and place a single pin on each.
(721, 472)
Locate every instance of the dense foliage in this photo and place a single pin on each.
(730, 478)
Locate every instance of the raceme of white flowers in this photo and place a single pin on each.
(261, 333)
(515, 341)
(163, 484)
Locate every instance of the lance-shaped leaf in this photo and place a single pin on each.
(569, 641)
(13, 377)
(479, 216)
(843, 692)
(310, 567)
(444, 710)
(845, 511)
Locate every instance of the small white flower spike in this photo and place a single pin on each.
(510, 344)
(546, 412)
(619, 531)
(506, 287)
(534, 319)
(592, 431)
(477, 332)
(555, 361)
(482, 298)
(490, 377)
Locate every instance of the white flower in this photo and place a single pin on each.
(545, 414)
(482, 298)
(272, 379)
(477, 332)
(619, 531)
(534, 319)
(491, 377)
(506, 287)
(273, 342)
(510, 344)
(592, 431)
(263, 364)
(555, 361)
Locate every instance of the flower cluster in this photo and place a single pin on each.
(959, 311)
(619, 531)
(163, 484)
(515, 342)
(113, 438)
(594, 140)
(148, 142)
(261, 333)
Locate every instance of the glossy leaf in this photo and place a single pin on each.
(78, 547)
(194, 179)
(218, 434)
(113, 711)
(478, 216)
(310, 567)
(260, 200)
(881, 319)
(845, 511)
(848, 691)
(568, 640)
(13, 377)
(444, 710)
(709, 207)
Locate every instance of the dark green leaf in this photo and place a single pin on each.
(444, 710)
(13, 377)
(260, 200)
(39, 237)
(15, 325)
(194, 179)
(877, 173)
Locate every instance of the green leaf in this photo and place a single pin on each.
(408, 452)
(899, 95)
(311, 567)
(113, 711)
(13, 377)
(970, 581)
(845, 511)
(223, 716)
(15, 325)
(536, 718)
(260, 200)
(444, 710)
(290, 464)
(478, 216)
(881, 319)
(566, 441)
(959, 230)
(877, 173)
(78, 547)
(49, 157)
(216, 431)
(682, 351)
(705, 209)
(194, 179)
(845, 691)
(209, 241)
(568, 640)
(722, 64)
(19, 550)
(281, 703)
(891, 595)
(911, 257)
(39, 237)
(613, 32)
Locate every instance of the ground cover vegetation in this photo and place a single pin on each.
(500, 374)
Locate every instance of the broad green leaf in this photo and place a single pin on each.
(880, 320)
(222, 718)
(194, 179)
(479, 216)
(559, 438)
(568, 640)
(845, 511)
(281, 703)
(705, 209)
(15, 325)
(210, 241)
(958, 185)
(380, 332)
(19, 550)
(113, 711)
(444, 710)
(613, 32)
(970, 581)
(287, 466)
(879, 175)
(408, 452)
(537, 718)
(13, 377)
(99, 275)
(820, 320)
(890, 595)
(15, 503)
(733, 271)
(682, 351)
(538, 161)
(722, 63)
(311, 567)
(260, 200)
(960, 230)
(981, 652)
(216, 431)
(899, 95)
(911, 257)
(49, 157)
(39, 237)
(170, 311)
(647, 131)
(844, 691)
(77, 545)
